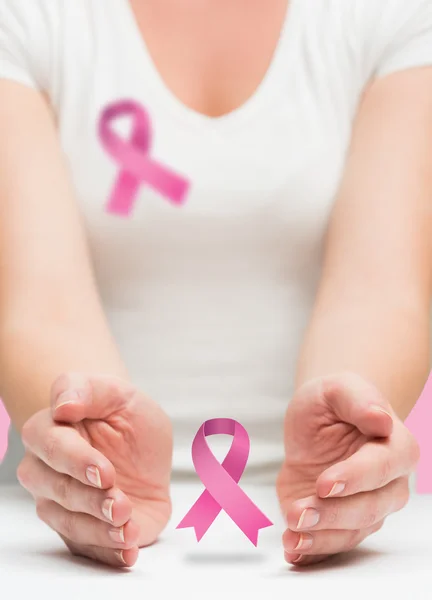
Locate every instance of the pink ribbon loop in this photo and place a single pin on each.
(133, 158)
(221, 482)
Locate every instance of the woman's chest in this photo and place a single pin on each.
(261, 180)
(211, 56)
(257, 193)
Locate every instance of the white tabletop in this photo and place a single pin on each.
(395, 563)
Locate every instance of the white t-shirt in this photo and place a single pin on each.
(209, 301)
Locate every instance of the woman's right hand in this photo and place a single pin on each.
(98, 464)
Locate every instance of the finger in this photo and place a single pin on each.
(353, 512)
(86, 530)
(63, 449)
(303, 560)
(306, 559)
(111, 505)
(330, 541)
(373, 466)
(114, 558)
(150, 517)
(359, 403)
(76, 396)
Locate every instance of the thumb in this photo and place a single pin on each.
(75, 397)
(356, 401)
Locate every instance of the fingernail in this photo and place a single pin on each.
(288, 557)
(305, 542)
(309, 518)
(107, 508)
(68, 397)
(119, 554)
(93, 476)
(381, 410)
(337, 488)
(117, 535)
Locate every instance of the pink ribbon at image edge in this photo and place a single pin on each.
(221, 482)
(419, 423)
(4, 431)
(136, 166)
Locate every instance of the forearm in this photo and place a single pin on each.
(384, 340)
(51, 317)
(33, 355)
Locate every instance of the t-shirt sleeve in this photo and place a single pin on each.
(23, 47)
(405, 35)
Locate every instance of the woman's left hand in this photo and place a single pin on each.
(348, 460)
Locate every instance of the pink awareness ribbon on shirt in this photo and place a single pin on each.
(133, 157)
(221, 482)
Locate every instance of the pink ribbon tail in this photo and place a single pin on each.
(201, 515)
(205, 510)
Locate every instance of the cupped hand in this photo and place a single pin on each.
(348, 458)
(98, 465)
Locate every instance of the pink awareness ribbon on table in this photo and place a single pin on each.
(137, 167)
(221, 482)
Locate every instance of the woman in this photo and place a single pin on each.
(293, 285)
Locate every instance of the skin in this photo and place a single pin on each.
(104, 450)
(371, 318)
(63, 380)
(346, 469)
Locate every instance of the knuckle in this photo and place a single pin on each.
(333, 516)
(333, 386)
(51, 446)
(68, 524)
(74, 468)
(66, 381)
(94, 502)
(62, 489)
(384, 472)
(403, 495)
(26, 479)
(61, 383)
(27, 432)
(354, 538)
(42, 509)
(377, 526)
(333, 512)
(370, 517)
(112, 389)
(337, 384)
(23, 473)
(119, 392)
